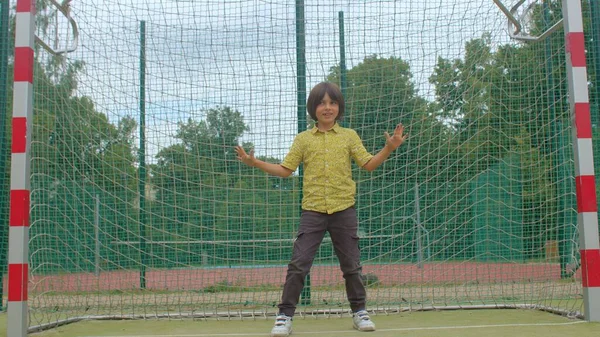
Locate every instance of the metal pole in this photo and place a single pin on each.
(595, 103)
(419, 229)
(301, 92)
(97, 234)
(142, 157)
(4, 187)
(557, 151)
(343, 71)
(20, 165)
(587, 206)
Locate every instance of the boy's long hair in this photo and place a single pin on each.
(318, 92)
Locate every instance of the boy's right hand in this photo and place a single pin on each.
(246, 158)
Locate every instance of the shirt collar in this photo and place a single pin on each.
(336, 127)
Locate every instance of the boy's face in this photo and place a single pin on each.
(327, 111)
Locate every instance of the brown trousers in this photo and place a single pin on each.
(342, 227)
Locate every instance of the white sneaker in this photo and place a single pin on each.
(362, 321)
(283, 326)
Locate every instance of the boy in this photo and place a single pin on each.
(328, 202)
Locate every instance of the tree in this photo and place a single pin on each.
(503, 103)
(76, 155)
(380, 94)
(204, 194)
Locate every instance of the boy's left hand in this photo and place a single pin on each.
(397, 138)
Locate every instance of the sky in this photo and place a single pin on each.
(242, 54)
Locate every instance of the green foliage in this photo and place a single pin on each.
(203, 194)
(512, 99)
(495, 102)
(78, 158)
(381, 94)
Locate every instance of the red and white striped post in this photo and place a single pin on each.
(587, 208)
(18, 236)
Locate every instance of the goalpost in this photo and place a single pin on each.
(587, 207)
(127, 200)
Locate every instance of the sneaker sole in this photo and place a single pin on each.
(282, 335)
(367, 329)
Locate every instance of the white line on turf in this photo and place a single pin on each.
(354, 331)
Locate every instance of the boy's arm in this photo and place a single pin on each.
(250, 160)
(379, 158)
(391, 144)
(274, 169)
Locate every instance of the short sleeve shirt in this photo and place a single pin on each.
(327, 186)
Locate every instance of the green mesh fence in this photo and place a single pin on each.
(476, 208)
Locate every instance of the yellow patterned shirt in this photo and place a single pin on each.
(328, 186)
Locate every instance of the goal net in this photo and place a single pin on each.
(139, 206)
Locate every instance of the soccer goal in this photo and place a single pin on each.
(127, 200)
